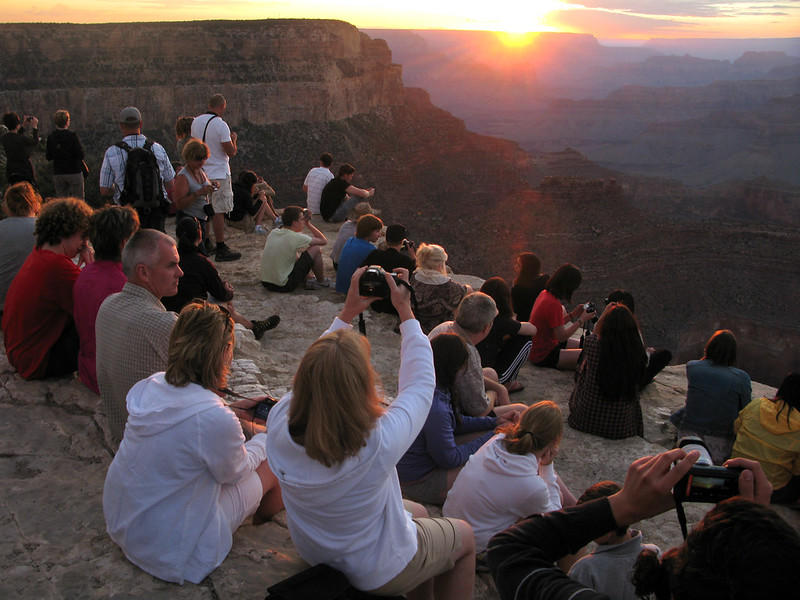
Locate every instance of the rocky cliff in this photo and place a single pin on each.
(273, 71)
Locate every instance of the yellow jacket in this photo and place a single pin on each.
(770, 438)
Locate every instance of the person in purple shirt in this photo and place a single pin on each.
(447, 440)
(109, 230)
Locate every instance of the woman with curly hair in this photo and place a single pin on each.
(40, 335)
(437, 294)
(605, 399)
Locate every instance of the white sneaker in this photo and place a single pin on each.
(260, 229)
(314, 284)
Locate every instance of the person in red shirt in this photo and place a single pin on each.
(40, 336)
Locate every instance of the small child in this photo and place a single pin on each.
(608, 568)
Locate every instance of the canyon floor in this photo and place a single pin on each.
(55, 450)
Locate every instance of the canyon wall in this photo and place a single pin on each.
(273, 71)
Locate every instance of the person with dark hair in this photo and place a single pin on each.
(741, 549)
(115, 160)
(253, 196)
(553, 345)
(657, 359)
(222, 143)
(316, 180)
(41, 340)
(508, 344)
(605, 399)
(184, 478)
(430, 465)
(334, 445)
(512, 475)
(608, 568)
(769, 431)
(368, 230)
(282, 270)
(528, 284)
(395, 253)
(717, 392)
(110, 228)
(339, 195)
(183, 133)
(21, 203)
(64, 148)
(18, 147)
(201, 279)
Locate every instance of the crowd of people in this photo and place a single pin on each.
(147, 322)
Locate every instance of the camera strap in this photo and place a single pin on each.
(681, 515)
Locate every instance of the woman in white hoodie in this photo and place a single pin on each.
(184, 478)
(511, 476)
(334, 447)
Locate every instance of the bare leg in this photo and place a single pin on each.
(568, 358)
(237, 316)
(567, 499)
(458, 582)
(272, 501)
(519, 408)
(318, 268)
(218, 224)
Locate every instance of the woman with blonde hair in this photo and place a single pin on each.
(191, 191)
(511, 476)
(334, 446)
(184, 478)
(21, 203)
(437, 294)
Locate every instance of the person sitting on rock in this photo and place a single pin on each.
(430, 465)
(339, 195)
(657, 359)
(201, 279)
(528, 284)
(396, 253)
(184, 479)
(717, 392)
(41, 339)
(436, 293)
(253, 196)
(282, 269)
(110, 228)
(605, 399)
(368, 230)
(477, 390)
(608, 569)
(21, 203)
(348, 230)
(508, 344)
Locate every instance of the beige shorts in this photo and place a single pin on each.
(437, 539)
(239, 501)
(222, 198)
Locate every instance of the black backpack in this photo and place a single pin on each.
(142, 185)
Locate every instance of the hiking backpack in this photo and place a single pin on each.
(142, 185)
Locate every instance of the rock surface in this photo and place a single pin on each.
(54, 455)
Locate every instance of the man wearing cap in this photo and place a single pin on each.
(112, 172)
(211, 129)
(397, 253)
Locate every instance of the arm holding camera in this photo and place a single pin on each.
(521, 557)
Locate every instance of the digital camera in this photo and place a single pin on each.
(705, 482)
(373, 283)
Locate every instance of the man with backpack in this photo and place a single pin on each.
(215, 133)
(137, 171)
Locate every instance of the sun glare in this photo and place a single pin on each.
(516, 39)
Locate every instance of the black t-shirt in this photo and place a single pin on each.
(332, 196)
(523, 297)
(489, 348)
(390, 259)
(65, 150)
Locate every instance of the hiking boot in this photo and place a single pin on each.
(225, 253)
(259, 327)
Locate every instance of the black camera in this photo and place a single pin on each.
(261, 410)
(589, 307)
(408, 244)
(373, 283)
(705, 482)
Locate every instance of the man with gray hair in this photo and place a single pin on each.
(132, 326)
(477, 390)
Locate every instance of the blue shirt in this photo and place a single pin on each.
(715, 396)
(353, 254)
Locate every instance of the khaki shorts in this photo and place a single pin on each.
(222, 199)
(437, 539)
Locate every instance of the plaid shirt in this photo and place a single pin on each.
(590, 412)
(112, 172)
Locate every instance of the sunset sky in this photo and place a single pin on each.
(623, 19)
